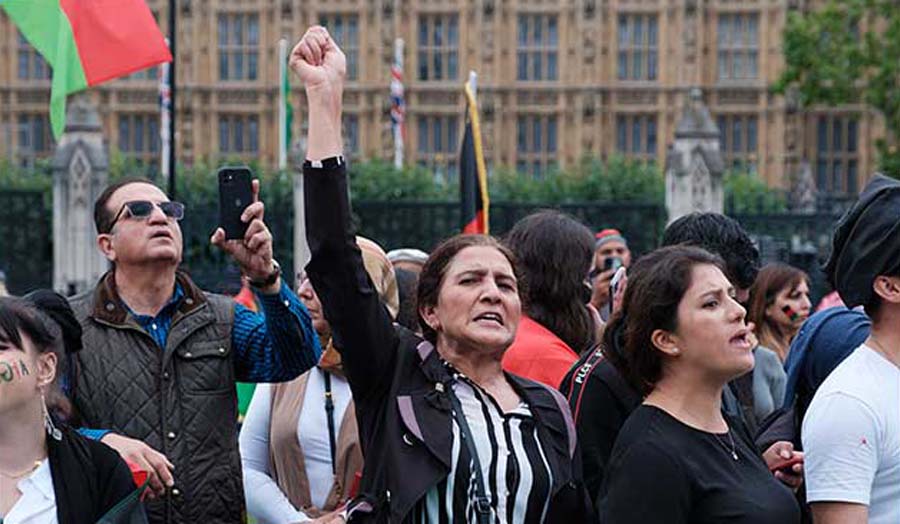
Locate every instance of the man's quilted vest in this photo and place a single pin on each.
(180, 400)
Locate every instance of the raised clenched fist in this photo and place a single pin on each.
(318, 61)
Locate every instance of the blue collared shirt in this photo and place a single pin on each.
(266, 346)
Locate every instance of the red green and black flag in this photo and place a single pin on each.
(472, 173)
(87, 42)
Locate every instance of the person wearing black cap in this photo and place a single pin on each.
(851, 431)
(48, 472)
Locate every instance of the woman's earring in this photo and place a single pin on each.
(674, 351)
(51, 428)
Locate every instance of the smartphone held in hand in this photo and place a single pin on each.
(235, 194)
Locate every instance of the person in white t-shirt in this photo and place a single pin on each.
(851, 431)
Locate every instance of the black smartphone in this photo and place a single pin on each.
(235, 194)
(612, 263)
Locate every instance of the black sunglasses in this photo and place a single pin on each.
(143, 209)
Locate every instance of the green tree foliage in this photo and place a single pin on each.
(380, 180)
(37, 178)
(591, 180)
(745, 193)
(848, 52)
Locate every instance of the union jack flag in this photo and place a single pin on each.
(398, 104)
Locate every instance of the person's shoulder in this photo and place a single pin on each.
(646, 423)
(220, 300)
(81, 304)
(548, 405)
(864, 374)
(647, 436)
(533, 340)
(766, 356)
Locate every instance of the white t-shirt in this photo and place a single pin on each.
(851, 436)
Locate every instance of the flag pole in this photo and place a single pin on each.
(172, 112)
(165, 110)
(398, 104)
(473, 82)
(282, 101)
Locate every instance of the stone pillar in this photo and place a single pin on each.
(80, 172)
(694, 165)
(301, 248)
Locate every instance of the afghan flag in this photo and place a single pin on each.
(472, 173)
(88, 42)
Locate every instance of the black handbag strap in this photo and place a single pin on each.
(329, 411)
(482, 502)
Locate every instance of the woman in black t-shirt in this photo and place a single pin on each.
(677, 458)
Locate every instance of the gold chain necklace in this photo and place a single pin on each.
(29, 470)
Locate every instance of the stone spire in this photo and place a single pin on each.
(694, 164)
(80, 172)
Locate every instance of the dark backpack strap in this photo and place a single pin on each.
(329, 412)
(580, 377)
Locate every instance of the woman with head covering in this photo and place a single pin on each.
(447, 435)
(48, 472)
(678, 458)
(299, 444)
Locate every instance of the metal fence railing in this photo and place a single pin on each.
(26, 240)
(801, 239)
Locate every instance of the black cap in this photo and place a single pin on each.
(866, 242)
(57, 308)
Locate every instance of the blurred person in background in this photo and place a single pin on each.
(299, 444)
(409, 259)
(406, 286)
(610, 253)
(779, 304)
(554, 252)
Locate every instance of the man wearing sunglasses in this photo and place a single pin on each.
(161, 356)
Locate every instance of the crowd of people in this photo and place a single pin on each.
(546, 377)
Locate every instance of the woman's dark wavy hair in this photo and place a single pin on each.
(656, 284)
(554, 252)
(431, 279)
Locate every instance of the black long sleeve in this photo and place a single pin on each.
(361, 327)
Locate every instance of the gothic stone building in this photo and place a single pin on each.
(557, 80)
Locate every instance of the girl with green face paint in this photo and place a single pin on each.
(27, 371)
(48, 472)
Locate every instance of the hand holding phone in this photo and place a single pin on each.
(235, 194)
(617, 288)
(252, 250)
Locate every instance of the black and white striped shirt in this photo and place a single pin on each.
(517, 475)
